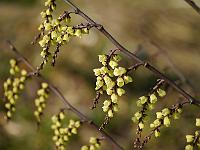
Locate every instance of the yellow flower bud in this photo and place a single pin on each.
(84, 148)
(105, 108)
(119, 71)
(117, 58)
(97, 72)
(128, 79)
(120, 91)
(190, 138)
(78, 33)
(157, 133)
(70, 30)
(74, 131)
(138, 115)
(61, 115)
(66, 38)
(93, 140)
(13, 62)
(107, 103)
(116, 108)
(166, 121)
(110, 113)
(109, 91)
(157, 122)
(188, 147)
(141, 125)
(166, 111)
(152, 125)
(113, 64)
(85, 31)
(42, 43)
(143, 99)
(102, 58)
(59, 39)
(114, 98)
(159, 115)
(161, 92)
(120, 82)
(54, 35)
(198, 122)
(153, 98)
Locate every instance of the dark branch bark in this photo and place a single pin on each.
(193, 5)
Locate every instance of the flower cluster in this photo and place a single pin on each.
(94, 144)
(13, 86)
(62, 134)
(163, 118)
(40, 101)
(56, 32)
(110, 78)
(193, 140)
(146, 103)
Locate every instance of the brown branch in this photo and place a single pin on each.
(133, 56)
(149, 136)
(174, 68)
(58, 93)
(169, 61)
(193, 5)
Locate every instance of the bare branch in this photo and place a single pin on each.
(193, 5)
(133, 56)
(173, 66)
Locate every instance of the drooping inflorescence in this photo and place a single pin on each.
(164, 118)
(62, 133)
(147, 103)
(40, 101)
(94, 144)
(12, 87)
(193, 141)
(56, 32)
(110, 79)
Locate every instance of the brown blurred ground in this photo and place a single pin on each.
(172, 25)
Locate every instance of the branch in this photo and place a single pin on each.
(174, 68)
(133, 56)
(58, 93)
(193, 5)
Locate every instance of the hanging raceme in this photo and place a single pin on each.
(61, 133)
(193, 141)
(12, 87)
(56, 32)
(110, 79)
(164, 116)
(163, 119)
(40, 101)
(94, 144)
(147, 103)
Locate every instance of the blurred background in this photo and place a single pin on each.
(165, 33)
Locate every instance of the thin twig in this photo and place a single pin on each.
(174, 68)
(193, 5)
(59, 94)
(133, 56)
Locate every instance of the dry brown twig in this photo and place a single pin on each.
(193, 5)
